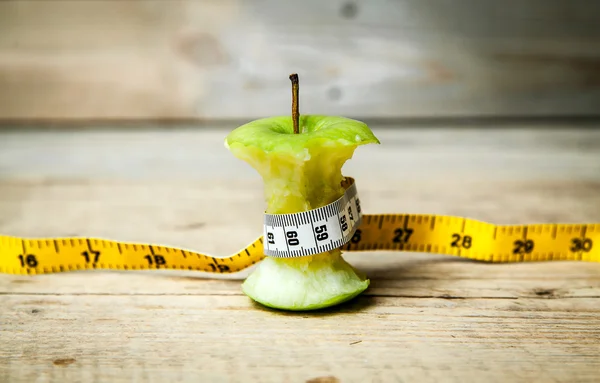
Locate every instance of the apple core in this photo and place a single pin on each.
(301, 172)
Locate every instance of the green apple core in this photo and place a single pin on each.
(301, 172)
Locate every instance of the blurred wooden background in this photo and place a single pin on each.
(229, 59)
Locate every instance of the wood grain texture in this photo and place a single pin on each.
(202, 59)
(224, 339)
(425, 317)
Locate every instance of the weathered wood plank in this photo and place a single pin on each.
(226, 338)
(393, 275)
(425, 318)
(230, 59)
(515, 153)
(157, 186)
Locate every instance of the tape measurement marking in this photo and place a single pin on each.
(428, 233)
(339, 224)
(315, 231)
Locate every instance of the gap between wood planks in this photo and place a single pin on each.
(442, 296)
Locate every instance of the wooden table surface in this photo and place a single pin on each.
(425, 317)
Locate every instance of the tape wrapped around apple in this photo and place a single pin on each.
(300, 160)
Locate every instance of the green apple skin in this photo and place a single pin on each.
(301, 172)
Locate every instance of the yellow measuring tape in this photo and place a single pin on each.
(447, 235)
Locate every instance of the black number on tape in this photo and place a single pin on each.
(358, 205)
(356, 237)
(321, 232)
(402, 235)
(92, 256)
(523, 247)
(28, 260)
(292, 240)
(271, 238)
(350, 213)
(467, 240)
(580, 244)
(344, 223)
(157, 260)
(221, 268)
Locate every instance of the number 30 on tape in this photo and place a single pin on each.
(340, 224)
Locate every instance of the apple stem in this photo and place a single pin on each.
(295, 112)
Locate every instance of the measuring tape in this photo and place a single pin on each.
(314, 231)
(339, 224)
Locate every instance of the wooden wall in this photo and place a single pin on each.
(229, 59)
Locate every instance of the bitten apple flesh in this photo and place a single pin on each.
(301, 172)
